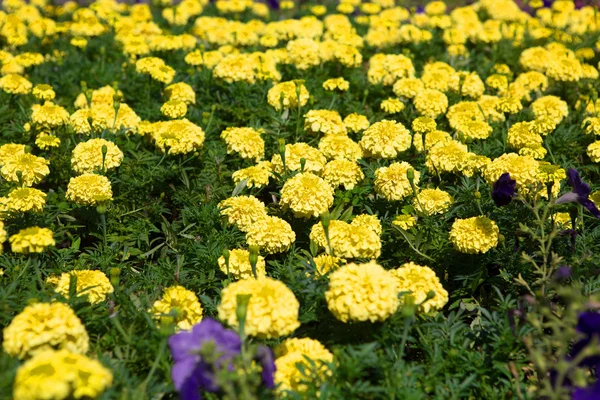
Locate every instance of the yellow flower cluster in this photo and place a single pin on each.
(474, 235)
(243, 211)
(362, 292)
(307, 195)
(292, 368)
(176, 136)
(239, 266)
(385, 139)
(246, 142)
(89, 190)
(350, 240)
(420, 281)
(95, 155)
(92, 284)
(314, 160)
(272, 309)
(271, 235)
(31, 240)
(180, 304)
(432, 201)
(26, 199)
(25, 168)
(328, 122)
(45, 326)
(392, 182)
(290, 94)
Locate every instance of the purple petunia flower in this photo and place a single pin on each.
(579, 194)
(504, 190)
(588, 393)
(190, 371)
(264, 356)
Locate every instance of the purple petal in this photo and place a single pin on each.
(264, 355)
(589, 323)
(182, 346)
(182, 372)
(579, 187)
(590, 206)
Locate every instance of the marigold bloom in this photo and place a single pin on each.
(474, 235)
(243, 211)
(88, 156)
(247, 142)
(314, 160)
(32, 169)
(337, 147)
(356, 240)
(362, 292)
(431, 103)
(355, 122)
(419, 281)
(271, 234)
(31, 240)
(92, 284)
(289, 94)
(432, 201)
(174, 109)
(43, 92)
(272, 309)
(49, 115)
(26, 199)
(257, 175)
(385, 139)
(60, 375)
(328, 122)
(593, 151)
(392, 182)
(392, 106)
(343, 173)
(292, 367)
(89, 189)
(15, 84)
(336, 83)
(307, 195)
(45, 141)
(10, 149)
(239, 265)
(44, 326)
(180, 303)
(405, 221)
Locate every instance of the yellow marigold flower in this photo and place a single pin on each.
(286, 5)
(289, 94)
(356, 122)
(60, 375)
(591, 125)
(392, 106)
(318, 10)
(271, 234)
(314, 160)
(292, 370)
(306, 195)
(174, 109)
(181, 91)
(510, 105)
(472, 86)
(345, 8)
(33, 169)
(419, 281)
(563, 220)
(474, 235)
(272, 308)
(550, 173)
(521, 135)
(435, 8)
(208, 59)
(336, 83)
(178, 136)
(474, 164)
(386, 69)
(180, 303)
(432, 201)
(26, 199)
(31, 240)
(595, 197)
(523, 169)
(46, 141)
(343, 172)
(445, 156)
(424, 125)
(243, 211)
(498, 82)
(408, 87)
(88, 156)
(348, 240)
(247, 142)
(474, 129)
(543, 125)
(586, 53)
(89, 189)
(405, 221)
(362, 292)
(385, 139)
(79, 42)
(368, 221)
(15, 84)
(564, 69)
(9, 150)
(257, 175)
(3, 234)
(551, 107)
(392, 182)
(328, 122)
(43, 92)
(239, 265)
(49, 115)
(326, 263)
(45, 326)
(431, 103)
(593, 151)
(304, 53)
(92, 284)
(337, 147)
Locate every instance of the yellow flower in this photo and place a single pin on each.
(551, 107)
(88, 156)
(593, 151)
(174, 109)
(79, 42)
(181, 91)
(368, 221)
(32, 169)
(336, 83)
(408, 87)
(247, 142)
(343, 172)
(46, 141)
(392, 182)
(362, 292)
(419, 281)
(26, 199)
(15, 84)
(45, 326)
(49, 115)
(43, 92)
(89, 189)
(523, 169)
(328, 122)
(385, 139)
(306, 195)
(271, 234)
(9, 150)
(326, 263)
(243, 211)
(432, 201)
(445, 155)
(178, 136)
(272, 309)
(356, 240)
(257, 175)
(338, 147)
(424, 125)
(239, 265)
(92, 284)
(60, 375)
(474, 235)
(355, 122)
(392, 106)
(31, 240)
(314, 160)
(405, 221)
(292, 370)
(289, 94)
(182, 304)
